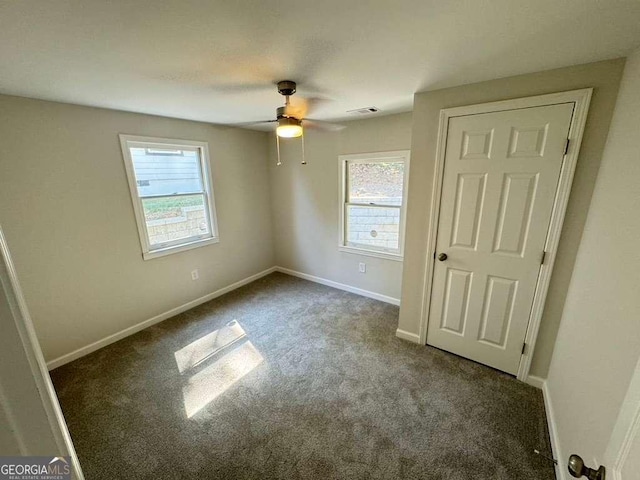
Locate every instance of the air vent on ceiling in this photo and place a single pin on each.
(364, 111)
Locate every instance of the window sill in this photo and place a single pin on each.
(162, 252)
(371, 253)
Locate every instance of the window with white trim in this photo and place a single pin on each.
(171, 193)
(372, 203)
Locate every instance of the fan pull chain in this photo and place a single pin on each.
(304, 161)
(278, 148)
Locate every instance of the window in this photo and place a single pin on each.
(372, 206)
(171, 193)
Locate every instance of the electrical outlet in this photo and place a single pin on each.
(194, 274)
(362, 267)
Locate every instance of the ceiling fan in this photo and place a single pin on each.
(292, 119)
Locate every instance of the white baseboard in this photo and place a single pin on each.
(411, 337)
(340, 286)
(534, 381)
(81, 352)
(553, 433)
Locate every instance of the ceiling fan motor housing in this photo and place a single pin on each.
(281, 112)
(287, 87)
(282, 121)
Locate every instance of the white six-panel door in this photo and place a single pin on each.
(500, 178)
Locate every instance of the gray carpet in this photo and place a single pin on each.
(287, 379)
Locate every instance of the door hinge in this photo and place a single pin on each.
(544, 254)
(524, 347)
(566, 147)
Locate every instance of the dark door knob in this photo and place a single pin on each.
(578, 469)
(442, 257)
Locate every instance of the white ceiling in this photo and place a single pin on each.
(218, 61)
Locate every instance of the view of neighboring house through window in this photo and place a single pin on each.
(373, 199)
(171, 193)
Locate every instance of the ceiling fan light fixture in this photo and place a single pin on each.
(289, 127)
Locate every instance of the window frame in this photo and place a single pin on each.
(149, 251)
(374, 157)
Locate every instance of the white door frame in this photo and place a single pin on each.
(581, 98)
(10, 287)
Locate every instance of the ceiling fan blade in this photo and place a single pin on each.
(322, 125)
(248, 124)
(300, 107)
(297, 108)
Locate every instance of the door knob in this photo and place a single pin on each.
(578, 469)
(442, 257)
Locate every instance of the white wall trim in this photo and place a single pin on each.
(343, 160)
(534, 381)
(370, 253)
(340, 286)
(553, 433)
(86, 350)
(81, 352)
(581, 99)
(176, 246)
(411, 337)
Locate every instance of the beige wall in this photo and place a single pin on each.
(604, 77)
(598, 343)
(67, 214)
(305, 203)
(66, 209)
